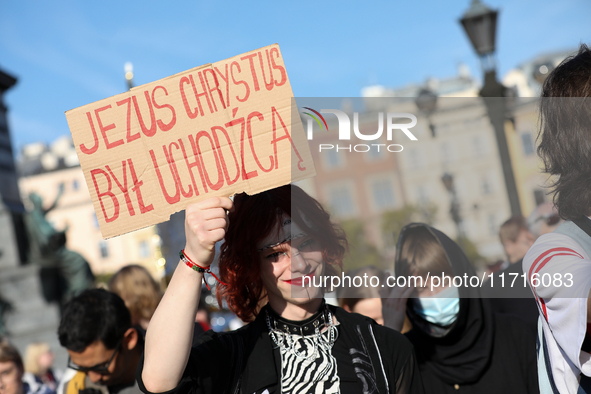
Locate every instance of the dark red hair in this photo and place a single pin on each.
(252, 219)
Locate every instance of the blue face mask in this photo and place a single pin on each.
(441, 309)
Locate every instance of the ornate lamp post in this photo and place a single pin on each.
(426, 102)
(480, 24)
(454, 209)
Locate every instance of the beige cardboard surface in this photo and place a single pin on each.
(214, 130)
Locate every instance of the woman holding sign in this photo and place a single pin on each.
(277, 245)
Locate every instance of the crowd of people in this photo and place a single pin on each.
(533, 337)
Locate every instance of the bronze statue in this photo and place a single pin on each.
(64, 273)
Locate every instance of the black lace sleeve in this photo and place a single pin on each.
(399, 356)
(409, 378)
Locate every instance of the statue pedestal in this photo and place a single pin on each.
(31, 319)
(9, 255)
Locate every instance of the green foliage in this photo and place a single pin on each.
(362, 253)
(471, 252)
(394, 221)
(102, 280)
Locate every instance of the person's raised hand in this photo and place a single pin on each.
(394, 306)
(206, 223)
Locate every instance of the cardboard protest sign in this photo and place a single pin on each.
(214, 130)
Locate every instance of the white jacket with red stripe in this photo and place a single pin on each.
(559, 272)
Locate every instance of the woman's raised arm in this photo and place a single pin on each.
(170, 332)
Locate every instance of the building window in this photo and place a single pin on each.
(414, 159)
(486, 186)
(445, 153)
(376, 153)
(492, 225)
(539, 197)
(332, 159)
(528, 144)
(477, 146)
(341, 201)
(103, 249)
(75, 185)
(383, 194)
(95, 220)
(144, 249)
(422, 195)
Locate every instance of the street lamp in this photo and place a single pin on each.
(454, 209)
(541, 71)
(480, 24)
(128, 67)
(426, 102)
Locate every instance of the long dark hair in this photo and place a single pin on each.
(565, 133)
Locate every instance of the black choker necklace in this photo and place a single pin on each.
(302, 327)
(303, 338)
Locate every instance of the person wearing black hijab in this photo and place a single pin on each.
(460, 343)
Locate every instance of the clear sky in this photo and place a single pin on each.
(67, 53)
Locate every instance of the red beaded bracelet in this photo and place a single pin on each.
(196, 267)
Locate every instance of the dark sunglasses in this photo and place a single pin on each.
(102, 368)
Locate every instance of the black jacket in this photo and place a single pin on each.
(245, 360)
(510, 295)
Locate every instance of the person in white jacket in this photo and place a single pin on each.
(558, 265)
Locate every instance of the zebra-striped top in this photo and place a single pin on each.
(365, 358)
